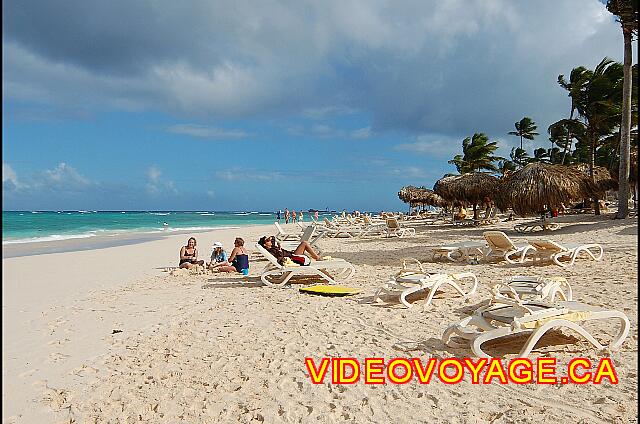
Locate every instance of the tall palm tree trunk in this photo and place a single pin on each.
(625, 128)
(592, 163)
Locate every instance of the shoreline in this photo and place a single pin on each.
(102, 241)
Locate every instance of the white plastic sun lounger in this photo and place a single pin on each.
(331, 270)
(395, 229)
(532, 226)
(459, 251)
(407, 282)
(534, 288)
(283, 235)
(307, 235)
(507, 317)
(556, 252)
(501, 246)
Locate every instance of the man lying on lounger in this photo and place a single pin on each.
(271, 245)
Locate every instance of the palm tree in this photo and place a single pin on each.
(477, 154)
(627, 13)
(598, 104)
(563, 132)
(519, 156)
(575, 85)
(525, 128)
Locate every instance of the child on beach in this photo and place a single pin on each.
(189, 255)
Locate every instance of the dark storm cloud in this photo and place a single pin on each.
(451, 67)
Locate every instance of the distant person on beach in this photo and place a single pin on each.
(219, 260)
(271, 245)
(189, 255)
(316, 215)
(300, 217)
(278, 216)
(165, 226)
(286, 215)
(239, 258)
(293, 216)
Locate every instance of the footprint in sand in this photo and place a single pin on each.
(57, 356)
(28, 373)
(84, 370)
(58, 342)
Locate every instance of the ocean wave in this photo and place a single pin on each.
(207, 214)
(265, 214)
(160, 213)
(53, 237)
(173, 230)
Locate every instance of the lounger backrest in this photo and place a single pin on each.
(280, 230)
(268, 255)
(307, 233)
(545, 244)
(498, 240)
(392, 223)
(328, 223)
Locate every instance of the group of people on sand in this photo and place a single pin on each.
(238, 260)
(294, 216)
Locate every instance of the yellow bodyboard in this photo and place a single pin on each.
(327, 290)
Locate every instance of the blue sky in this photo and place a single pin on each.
(265, 105)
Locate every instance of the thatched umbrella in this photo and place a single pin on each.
(419, 196)
(406, 194)
(601, 176)
(473, 187)
(539, 185)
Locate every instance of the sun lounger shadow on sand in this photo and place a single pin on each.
(246, 282)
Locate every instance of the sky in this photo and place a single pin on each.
(266, 105)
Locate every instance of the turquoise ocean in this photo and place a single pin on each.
(37, 226)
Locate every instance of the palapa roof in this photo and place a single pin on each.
(539, 185)
(472, 187)
(633, 165)
(419, 196)
(602, 177)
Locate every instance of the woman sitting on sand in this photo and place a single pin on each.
(239, 258)
(189, 255)
(219, 258)
(271, 245)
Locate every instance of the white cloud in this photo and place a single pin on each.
(65, 177)
(434, 145)
(203, 131)
(154, 174)
(10, 180)
(156, 184)
(237, 174)
(322, 130)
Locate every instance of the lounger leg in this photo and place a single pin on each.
(540, 331)
(477, 342)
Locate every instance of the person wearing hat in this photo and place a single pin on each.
(218, 258)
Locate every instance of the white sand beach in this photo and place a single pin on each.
(106, 336)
